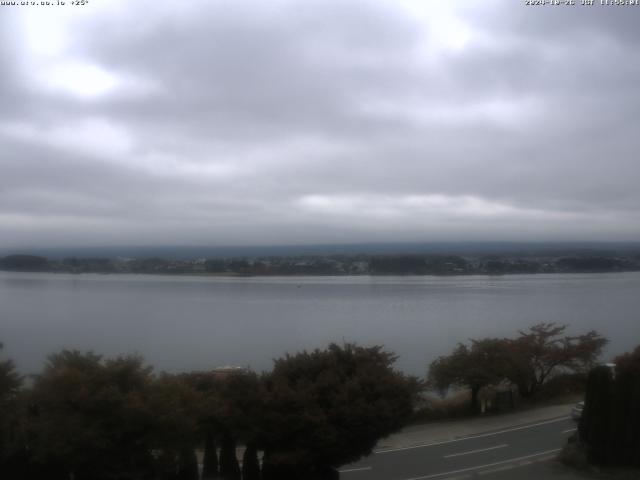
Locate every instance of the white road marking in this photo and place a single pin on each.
(545, 459)
(361, 469)
(475, 451)
(570, 430)
(471, 437)
(496, 470)
(478, 467)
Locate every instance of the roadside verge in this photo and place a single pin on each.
(435, 432)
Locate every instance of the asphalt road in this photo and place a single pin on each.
(490, 455)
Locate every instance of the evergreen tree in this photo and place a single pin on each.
(210, 460)
(610, 423)
(188, 465)
(626, 424)
(595, 423)
(250, 463)
(229, 467)
(12, 452)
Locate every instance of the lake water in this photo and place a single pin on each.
(183, 323)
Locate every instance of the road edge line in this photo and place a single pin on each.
(471, 437)
(478, 467)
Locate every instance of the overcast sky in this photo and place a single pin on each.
(291, 122)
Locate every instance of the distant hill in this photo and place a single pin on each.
(24, 263)
(516, 249)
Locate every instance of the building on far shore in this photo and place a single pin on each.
(228, 371)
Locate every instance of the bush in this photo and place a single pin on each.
(330, 407)
(565, 385)
(434, 408)
(574, 455)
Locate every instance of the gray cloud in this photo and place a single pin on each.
(303, 122)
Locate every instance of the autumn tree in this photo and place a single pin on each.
(543, 350)
(527, 361)
(484, 362)
(330, 407)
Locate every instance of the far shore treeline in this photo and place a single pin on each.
(361, 264)
(93, 418)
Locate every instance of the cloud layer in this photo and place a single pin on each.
(319, 121)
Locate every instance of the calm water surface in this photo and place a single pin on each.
(181, 323)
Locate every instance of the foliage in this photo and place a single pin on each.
(436, 408)
(398, 265)
(543, 350)
(210, 458)
(90, 418)
(626, 426)
(250, 463)
(238, 399)
(24, 263)
(563, 388)
(330, 407)
(81, 265)
(628, 363)
(593, 264)
(100, 418)
(334, 264)
(229, 467)
(528, 361)
(230, 404)
(176, 409)
(610, 423)
(478, 365)
(595, 422)
(187, 464)
(10, 383)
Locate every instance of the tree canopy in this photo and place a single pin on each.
(24, 263)
(95, 418)
(629, 362)
(545, 349)
(329, 407)
(609, 429)
(92, 417)
(527, 361)
(482, 363)
(10, 383)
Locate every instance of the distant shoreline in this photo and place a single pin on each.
(334, 265)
